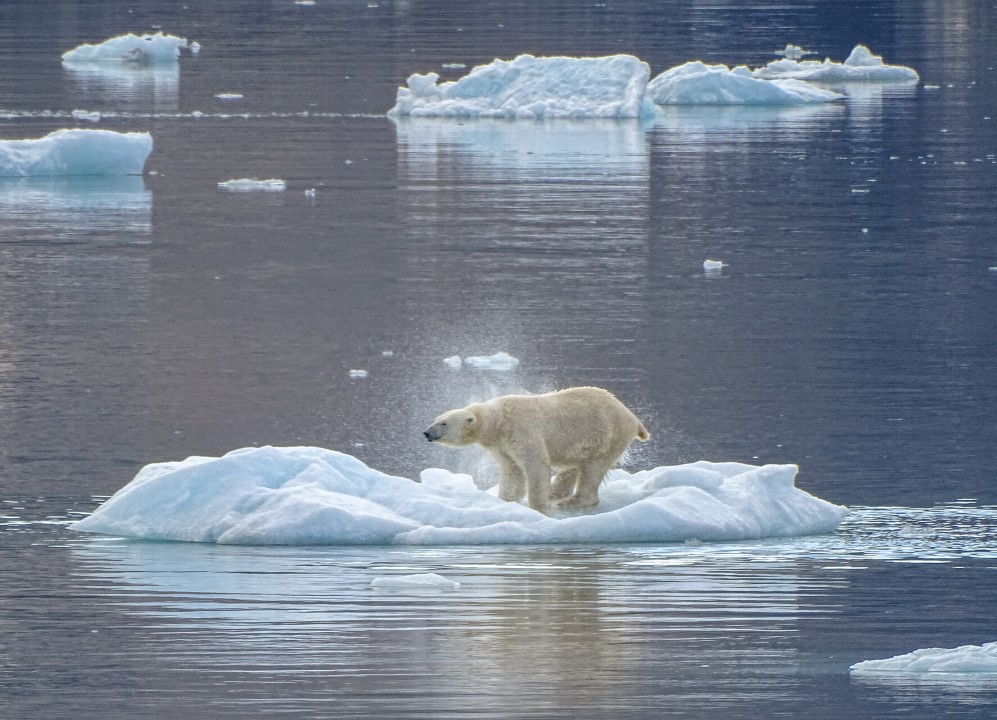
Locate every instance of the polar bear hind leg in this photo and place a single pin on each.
(564, 484)
(586, 493)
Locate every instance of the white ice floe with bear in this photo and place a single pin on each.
(313, 496)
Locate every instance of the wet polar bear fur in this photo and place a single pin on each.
(579, 433)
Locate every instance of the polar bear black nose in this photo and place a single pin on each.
(429, 435)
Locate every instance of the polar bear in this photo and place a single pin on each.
(579, 433)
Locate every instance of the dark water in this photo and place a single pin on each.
(853, 332)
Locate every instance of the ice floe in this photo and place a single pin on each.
(860, 66)
(529, 87)
(313, 496)
(417, 581)
(696, 83)
(253, 185)
(76, 152)
(141, 50)
(963, 660)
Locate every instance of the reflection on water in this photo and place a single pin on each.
(128, 87)
(73, 208)
(520, 629)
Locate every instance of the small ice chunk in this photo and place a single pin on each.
(310, 192)
(500, 361)
(358, 373)
(453, 361)
(229, 96)
(86, 115)
(793, 52)
(713, 265)
(141, 50)
(453, 66)
(932, 662)
(253, 185)
(195, 48)
(418, 581)
(304, 3)
(860, 66)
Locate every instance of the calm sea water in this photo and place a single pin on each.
(853, 332)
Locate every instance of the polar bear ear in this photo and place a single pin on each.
(471, 419)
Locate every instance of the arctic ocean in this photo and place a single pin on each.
(248, 251)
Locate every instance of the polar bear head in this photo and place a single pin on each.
(456, 428)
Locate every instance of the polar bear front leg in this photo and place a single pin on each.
(537, 474)
(512, 483)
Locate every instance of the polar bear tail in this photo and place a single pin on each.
(642, 434)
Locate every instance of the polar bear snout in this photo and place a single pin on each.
(432, 433)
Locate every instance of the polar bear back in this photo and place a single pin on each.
(571, 426)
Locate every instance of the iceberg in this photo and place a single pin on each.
(529, 87)
(314, 496)
(963, 660)
(139, 50)
(860, 66)
(76, 152)
(696, 83)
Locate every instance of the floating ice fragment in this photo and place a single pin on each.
(253, 185)
(714, 265)
(310, 192)
(500, 361)
(86, 115)
(793, 52)
(965, 659)
(453, 66)
(195, 48)
(453, 361)
(76, 152)
(529, 87)
(229, 96)
(418, 581)
(141, 50)
(358, 373)
(306, 3)
(696, 83)
(860, 66)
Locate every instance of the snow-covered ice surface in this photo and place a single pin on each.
(313, 496)
(696, 83)
(143, 50)
(76, 152)
(861, 65)
(529, 87)
(963, 660)
(253, 185)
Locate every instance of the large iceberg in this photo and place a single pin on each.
(76, 152)
(140, 50)
(860, 66)
(696, 83)
(313, 496)
(963, 660)
(529, 87)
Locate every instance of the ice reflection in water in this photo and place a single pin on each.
(557, 630)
